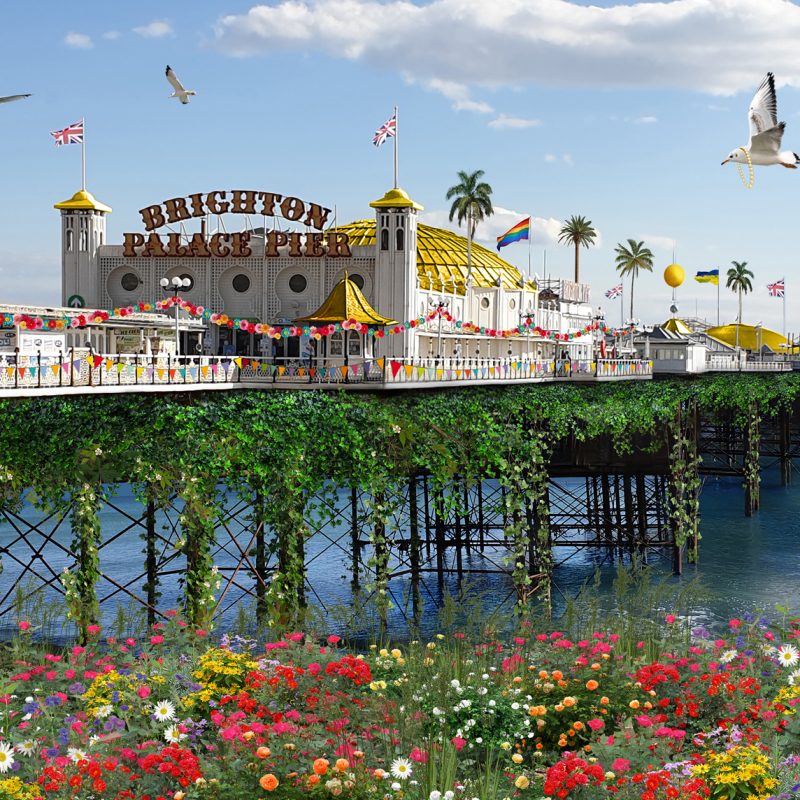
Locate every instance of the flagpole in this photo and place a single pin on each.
(83, 157)
(718, 301)
(622, 306)
(530, 237)
(784, 306)
(396, 135)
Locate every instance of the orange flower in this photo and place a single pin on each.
(342, 764)
(263, 752)
(604, 701)
(557, 674)
(321, 766)
(543, 674)
(568, 702)
(634, 704)
(268, 782)
(313, 780)
(578, 725)
(591, 685)
(595, 666)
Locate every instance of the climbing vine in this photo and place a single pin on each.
(290, 447)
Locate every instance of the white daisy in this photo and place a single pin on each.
(401, 768)
(794, 678)
(164, 711)
(173, 734)
(728, 656)
(6, 756)
(788, 655)
(104, 711)
(26, 748)
(76, 754)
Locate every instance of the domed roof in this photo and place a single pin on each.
(396, 198)
(749, 337)
(442, 258)
(83, 200)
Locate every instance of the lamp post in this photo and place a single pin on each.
(440, 306)
(176, 285)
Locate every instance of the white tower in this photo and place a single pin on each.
(396, 266)
(83, 231)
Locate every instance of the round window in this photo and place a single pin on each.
(298, 283)
(187, 277)
(358, 280)
(241, 283)
(512, 303)
(484, 302)
(130, 281)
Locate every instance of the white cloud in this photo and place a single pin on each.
(78, 41)
(504, 122)
(645, 120)
(458, 94)
(550, 158)
(653, 240)
(714, 46)
(155, 29)
(111, 35)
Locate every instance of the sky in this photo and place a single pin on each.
(620, 112)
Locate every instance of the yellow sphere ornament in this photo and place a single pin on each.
(674, 275)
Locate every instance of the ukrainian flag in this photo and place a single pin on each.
(712, 276)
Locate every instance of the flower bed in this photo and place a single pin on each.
(534, 715)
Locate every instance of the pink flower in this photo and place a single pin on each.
(459, 635)
(143, 692)
(51, 675)
(201, 633)
(769, 635)
(333, 640)
(314, 668)
(519, 640)
(24, 625)
(621, 765)
(156, 639)
(295, 637)
(458, 743)
(734, 623)
(93, 630)
(420, 756)
(595, 724)
(670, 618)
(77, 650)
(69, 674)
(640, 645)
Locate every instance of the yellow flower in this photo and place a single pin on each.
(396, 653)
(517, 758)
(522, 782)
(383, 652)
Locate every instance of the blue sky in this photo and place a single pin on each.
(621, 112)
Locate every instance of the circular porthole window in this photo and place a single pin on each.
(130, 281)
(298, 283)
(357, 279)
(485, 302)
(241, 283)
(187, 277)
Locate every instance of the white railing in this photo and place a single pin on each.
(728, 364)
(81, 368)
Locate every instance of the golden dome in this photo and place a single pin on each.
(346, 302)
(442, 258)
(676, 325)
(83, 201)
(396, 198)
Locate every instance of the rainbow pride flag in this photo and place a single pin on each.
(520, 231)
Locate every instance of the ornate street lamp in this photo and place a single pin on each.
(176, 285)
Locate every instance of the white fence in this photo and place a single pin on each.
(716, 363)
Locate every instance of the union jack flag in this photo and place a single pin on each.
(72, 134)
(776, 289)
(614, 291)
(389, 128)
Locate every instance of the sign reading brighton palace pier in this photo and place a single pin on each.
(236, 245)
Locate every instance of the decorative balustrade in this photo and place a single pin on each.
(716, 363)
(80, 368)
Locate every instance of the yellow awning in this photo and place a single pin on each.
(346, 302)
(750, 337)
(83, 201)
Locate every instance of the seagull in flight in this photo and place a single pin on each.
(181, 93)
(10, 98)
(766, 132)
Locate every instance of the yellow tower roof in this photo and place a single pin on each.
(750, 337)
(346, 302)
(442, 259)
(83, 201)
(676, 325)
(396, 198)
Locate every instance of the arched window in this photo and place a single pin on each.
(84, 240)
(384, 239)
(354, 344)
(336, 344)
(400, 239)
(70, 240)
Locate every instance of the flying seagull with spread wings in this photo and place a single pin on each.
(766, 132)
(181, 93)
(10, 98)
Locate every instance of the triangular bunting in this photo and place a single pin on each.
(380, 362)
(215, 368)
(312, 372)
(238, 362)
(204, 371)
(139, 371)
(281, 370)
(458, 373)
(55, 368)
(367, 365)
(301, 372)
(344, 371)
(439, 373)
(421, 371)
(109, 364)
(172, 373)
(120, 367)
(10, 372)
(409, 369)
(449, 374)
(182, 372)
(395, 365)
(21, 371)
(161, 374)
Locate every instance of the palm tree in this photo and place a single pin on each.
(472, 203)
(739, 281)
(631, 259)
(577, 231)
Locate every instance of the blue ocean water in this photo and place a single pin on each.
(746, 564)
